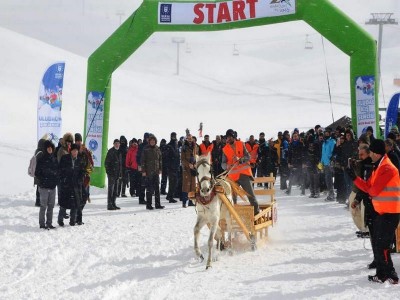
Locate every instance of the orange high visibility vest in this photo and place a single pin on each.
(253, 152)
(231, 158)
(388, 200)
(205, 150)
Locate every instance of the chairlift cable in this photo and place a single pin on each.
(327, 78)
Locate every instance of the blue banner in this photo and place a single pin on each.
(50, 103)
(391, 113)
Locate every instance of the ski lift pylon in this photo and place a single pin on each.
(308, 45)
(235, 50)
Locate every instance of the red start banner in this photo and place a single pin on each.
(200, 13)
(240, 10)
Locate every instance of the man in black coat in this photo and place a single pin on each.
(122, 184)
(172, 159)
(164, 175)
(71, 180)
(113, 165)
(216, 155)
(48, 176)
(142, 189)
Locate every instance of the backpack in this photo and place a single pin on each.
(32, 165)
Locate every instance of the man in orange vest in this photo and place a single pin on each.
(206, 146)
(235, 159)
(383, 186)
(252, 148)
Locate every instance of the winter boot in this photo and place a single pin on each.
(149, 200)
(115, 206)
(372, 265)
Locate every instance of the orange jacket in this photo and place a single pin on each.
(253, 151)
(383, 186)
(204, 150)
(231, 159)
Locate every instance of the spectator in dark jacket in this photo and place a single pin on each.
(38, 153)
(48, 176)
(71, 180)
(216, 155)
(268, 159)
(295, 161)
(113, 169)
(142, 190)
(164, 175)
(311, 160)
(123, 150)
(391, 153)
(151, 169)
(349, 151)
(172, 163)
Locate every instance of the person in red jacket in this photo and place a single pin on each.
(132, 167)
(383, 186)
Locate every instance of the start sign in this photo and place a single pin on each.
(178, 13)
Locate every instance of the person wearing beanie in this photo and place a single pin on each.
(132, 168)
(236, 159)
(86, 157)
(383, 188)
(113, 165)
(47, 173)
(370, 133)
(143, 145)
(171, 161)
(71, 180)
(328, 146)
(189, 151)
(78, 137)
(164, 175)
(151, 169)
(123, 183)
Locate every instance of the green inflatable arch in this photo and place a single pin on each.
(153, 16)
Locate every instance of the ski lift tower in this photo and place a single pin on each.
(235, 50)
(308, 45)
(177, 41)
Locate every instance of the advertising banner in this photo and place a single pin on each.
(365, 103)
(50, 103)
(392, 113)
(94, 125)
(198, 13)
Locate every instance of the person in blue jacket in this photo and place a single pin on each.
(328, 146)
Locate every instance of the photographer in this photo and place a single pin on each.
(383, 188)
(363, 168)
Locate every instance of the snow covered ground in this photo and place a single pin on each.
(312, 253)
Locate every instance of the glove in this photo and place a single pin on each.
(351, 173)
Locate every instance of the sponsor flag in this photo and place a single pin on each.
(392, 113)
(94, 125)
(50, 103)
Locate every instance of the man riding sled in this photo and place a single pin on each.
(235, 159)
